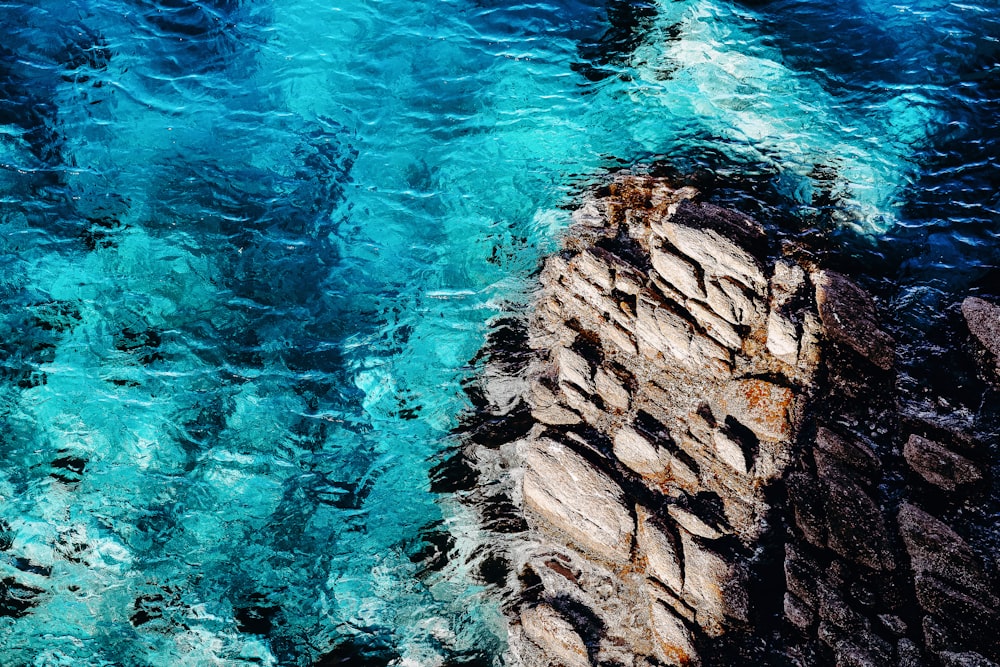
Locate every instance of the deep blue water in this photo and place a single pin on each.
(248, 249)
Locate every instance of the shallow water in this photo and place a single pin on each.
(248, 249)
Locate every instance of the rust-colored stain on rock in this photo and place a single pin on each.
(762, 406)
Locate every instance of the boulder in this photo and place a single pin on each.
(678, 273)
(782, 338)
(848, 451)
(797, 613)
(730, 452)
(554, 635)
(849, 317)
(611, 390)
(571, 496)
(712, 586)
(939, 465)
(638, 453)
(574, 369)
(662, 561)
(935, 549)
(594, 268)
(715, 254)
(715, 326)
(983, 320)
(965, 659)
(673, 636)
(856, 527)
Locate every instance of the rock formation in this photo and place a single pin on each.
(692, 454)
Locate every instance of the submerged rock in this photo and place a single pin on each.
(695, 483)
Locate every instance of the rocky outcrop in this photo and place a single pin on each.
(703, 461)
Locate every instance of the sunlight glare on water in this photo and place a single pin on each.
(249, 249)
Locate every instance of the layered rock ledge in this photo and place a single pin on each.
(692, 454)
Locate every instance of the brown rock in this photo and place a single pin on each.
(849, 315)
(715, 254)
(660, 551)
(663, 333)
(546, 409)
(618, 336)
(732, 302)
(718, 239)
(590, 294)
(787, 280)
(939, 465)
(593, 268)
(983, 319)
(693, 524)
(730, 452)
(575, 369)
(782, 338)
(673, 636)
(715, 326)
(712, 586)
(581, 403)
(761, 406)
(611, 390)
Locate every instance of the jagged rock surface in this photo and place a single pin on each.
(705, 462)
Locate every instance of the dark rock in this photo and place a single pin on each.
(801, 576)
(834, 609)
(807, 507)
(867, 651)
(983, 319)
(964, 659)
(971, 621)
(909, 654)
(893, 623)
(849, 317)
(937, 550)
(939, 465)
(798, 613)
(857, 528)
(851, 452)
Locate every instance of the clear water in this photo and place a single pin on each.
(249, 247)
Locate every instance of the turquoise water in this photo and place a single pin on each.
(249, 247)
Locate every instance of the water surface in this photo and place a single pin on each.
(248, 249)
